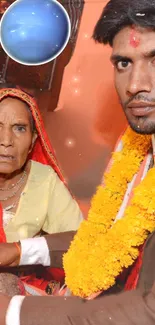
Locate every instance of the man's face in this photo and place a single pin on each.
(133, 57)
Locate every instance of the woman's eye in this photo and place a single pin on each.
(122, 65)
(20, 128)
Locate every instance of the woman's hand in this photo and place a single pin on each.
(9, 254)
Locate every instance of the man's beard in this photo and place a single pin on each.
(140, 125)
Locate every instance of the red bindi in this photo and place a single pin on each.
(134, 38)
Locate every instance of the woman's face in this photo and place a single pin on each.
(16, 135)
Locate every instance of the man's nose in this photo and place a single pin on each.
(140, 80)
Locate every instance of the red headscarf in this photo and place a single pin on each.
(42, 151)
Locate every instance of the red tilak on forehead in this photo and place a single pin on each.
(134, 38)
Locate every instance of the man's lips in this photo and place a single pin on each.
(141, 108)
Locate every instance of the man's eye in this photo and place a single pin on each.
(122, 65)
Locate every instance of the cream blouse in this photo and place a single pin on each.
(45, 204)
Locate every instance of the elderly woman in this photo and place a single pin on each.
(33, 195)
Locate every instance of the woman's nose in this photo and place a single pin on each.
(6, 138)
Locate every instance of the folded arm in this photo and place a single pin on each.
(126, 308)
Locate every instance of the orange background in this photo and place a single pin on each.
(88, 119)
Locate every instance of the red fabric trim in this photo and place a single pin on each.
(132, 280)
(2, 233)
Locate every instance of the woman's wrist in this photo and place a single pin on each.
(18, 252)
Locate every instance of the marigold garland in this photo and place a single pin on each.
(99, 252)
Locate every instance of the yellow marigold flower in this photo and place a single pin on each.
(102, 248)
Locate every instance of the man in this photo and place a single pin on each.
(128, 26)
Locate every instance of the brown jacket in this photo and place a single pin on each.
(127, 308)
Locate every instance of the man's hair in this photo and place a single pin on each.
(118, 14)
(9, 85)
